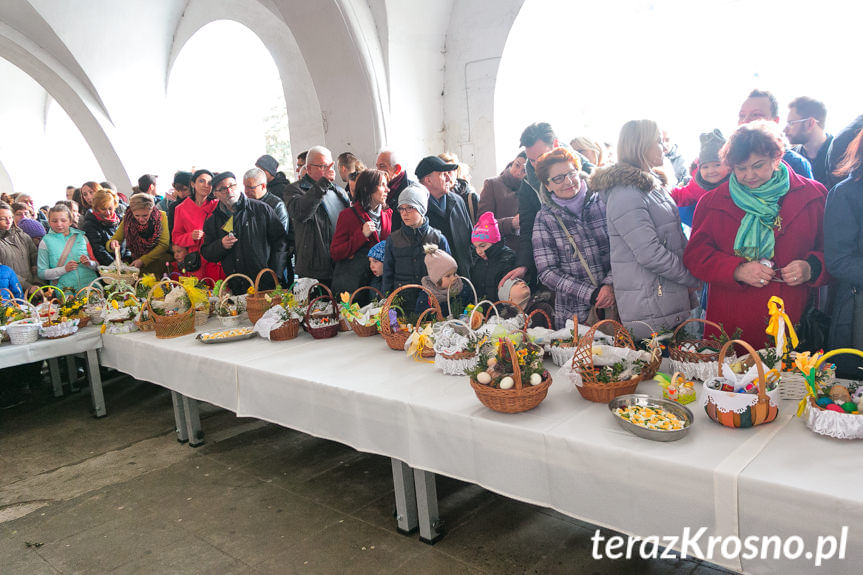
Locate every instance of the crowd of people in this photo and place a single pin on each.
(581, 231)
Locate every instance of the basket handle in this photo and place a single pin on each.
(427, 310)
(117, 256)
(261, 274)
(543, 314)
(50, 292)
(491, 307)
(696, 320)
(87, 289)
(335, 314)
(584, 348)
(516, 369)
(361, 288)
(7, 290)
(762, 379)
(449, 295)
(225, 282)
(189, 311)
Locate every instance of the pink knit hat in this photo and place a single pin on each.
(486, 229)
(438, 262)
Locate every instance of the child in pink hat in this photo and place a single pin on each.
(491, 259)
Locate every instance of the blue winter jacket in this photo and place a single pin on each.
(9, 280)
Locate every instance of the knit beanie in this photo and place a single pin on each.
(32, 228)
(438, 262)
(377, 251)
(711, 143)
(416, 196)
(504, 290)
(486, 229)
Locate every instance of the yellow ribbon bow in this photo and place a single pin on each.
(418, 341)
(776, 308)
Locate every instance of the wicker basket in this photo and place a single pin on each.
(257, 303)
(359, 329)
(288, 330)
(677, 354)
(168, 326)
(582, 361)
(326, 331)
(538, 311)
(515, 399)
(94, 313)
(114, 274)
(427, 352)
(832, 423)
(397, 339)
(758, 413)
(146, 324)
(23, 331)
(233, 320)
(49, 295)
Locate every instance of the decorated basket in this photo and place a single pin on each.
(588, 379)
(231, 320)
(424, 344)
(740, 410)
(176, 325)
(95, 299)
(397, 339)
(52, 298)
(322, 324)
(288, 330)
(360, 329)
(260, 301)
(23, 331)
(118, 271)
(453, 337)
(842, 418)
(520, 397)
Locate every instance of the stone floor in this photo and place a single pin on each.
(121, 495)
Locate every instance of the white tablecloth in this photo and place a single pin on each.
(85, 339)
(568, 454)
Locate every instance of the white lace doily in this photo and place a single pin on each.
(726, 401)
(454, 366)
(701, 371)
(834, 424)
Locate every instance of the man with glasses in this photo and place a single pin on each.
(805, 131)
(243, 234)
(397, 180)
(314, 204)
(762, 105)
(256, 188)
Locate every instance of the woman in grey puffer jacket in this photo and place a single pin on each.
(651, 284)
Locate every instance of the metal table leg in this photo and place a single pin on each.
(406, 499)
(179, 418)
(97, 398)
(193, 422)
(54, 370)
(431, 527)
(72, 373)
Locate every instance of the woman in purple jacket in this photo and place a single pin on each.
(570, 239)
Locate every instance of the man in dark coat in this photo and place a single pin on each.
(255, 186)
(244, 235)
(397, 179)
(446, 210)
(182, 185)
(314, 204)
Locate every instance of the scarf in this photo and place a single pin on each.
(112, 220)
(575, 204)
(141, 239)
(444, 296)
(705, 185)
(755, 238)
(509, 180)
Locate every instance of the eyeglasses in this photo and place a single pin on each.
(792, 122)
(253, 188)
(573, 177)
(224, 189)
(327, 167)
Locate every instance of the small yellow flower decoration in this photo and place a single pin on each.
(346, 297)
(251, 290)
(114, 304)
(149, 280)
(103, 328)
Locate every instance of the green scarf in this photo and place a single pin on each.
(755, 239)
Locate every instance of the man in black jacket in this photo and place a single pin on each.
(314, 204)
(446, 211)
(244, 235)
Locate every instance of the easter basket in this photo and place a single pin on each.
(455, 346)
(840, 416)
(144, 321)
(258, 301)
(118, 271)
(172, 323)
(52, 299)
(229, 308)
(421, 342)
(695, 358)
(360, 329)
(322, 322)
(280, 323)
(510, 393)
(596, 369)
(122, 313)
(740, 410)
(23, 331)
(396, 338)
(94, 303)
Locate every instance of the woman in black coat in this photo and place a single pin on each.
(100, 223)
(843, 254)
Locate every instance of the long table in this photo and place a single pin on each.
(567, 454)
(86, 341)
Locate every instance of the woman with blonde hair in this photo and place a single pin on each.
(100, 223)
(145, 231)
(651, 284)
(589, 149)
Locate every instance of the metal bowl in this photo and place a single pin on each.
(680, 411)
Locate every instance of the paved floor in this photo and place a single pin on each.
(120, 495)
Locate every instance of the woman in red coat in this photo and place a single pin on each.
(189, 218)
(363, 225)
(758, 235)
